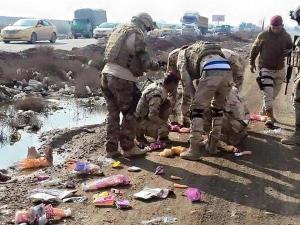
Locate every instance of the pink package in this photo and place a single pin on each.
(105, 182)
(194, 194)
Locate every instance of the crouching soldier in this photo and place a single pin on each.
(154, 108)
(236, 119)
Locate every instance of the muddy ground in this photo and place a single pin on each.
(263, 188)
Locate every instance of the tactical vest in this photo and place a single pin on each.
(117, 50)
(196, 52)
(154, 90)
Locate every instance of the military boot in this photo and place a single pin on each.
(211, 145)
(270, 120)
(194, 152)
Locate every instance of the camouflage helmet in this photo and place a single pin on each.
(147, 21)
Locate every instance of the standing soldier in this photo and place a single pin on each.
(295, 138)
(272, 46)
(126, 59)
(206, 64)
(154, 108)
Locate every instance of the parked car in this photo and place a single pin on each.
(31, 30)
(104, 30)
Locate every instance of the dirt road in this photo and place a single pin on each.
(263, 188)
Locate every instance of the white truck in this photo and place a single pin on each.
(193, 23)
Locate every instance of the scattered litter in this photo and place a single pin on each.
(257, 117)
(123, 204)
(176, 178)
(41, 214)
(159, 170)
(194, 194)
(51, 183)
(269, 213)
(239, 154)
(105, 182)
(157, 145)
(176, 127)
(134, 169)
(227, 148)
(174, 151)
(166, 153)
(104, 201)
(160, 220)
(116, 164)
(103, 161)
(148, 193)
(180, 186)
(34, 160)
(76, 199)
(42, 177)
(117, 191)
(185, 130)
(277, 131)
(83, 167)
(45, 194)
(177, 150)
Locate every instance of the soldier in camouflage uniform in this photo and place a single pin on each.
(154, 108)
(126, 59)
(295, 138)
(177, 64)
(204, 65)
(272, 46)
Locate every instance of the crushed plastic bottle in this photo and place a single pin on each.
(160, 220)
(103, 161)
(105, 182)
(83, 167)
(41, 214)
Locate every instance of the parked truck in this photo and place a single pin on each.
(85, 21)
(192, 21)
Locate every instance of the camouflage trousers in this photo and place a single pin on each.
(211, 92)
(152, 129)
(120, 96)
(271, 81)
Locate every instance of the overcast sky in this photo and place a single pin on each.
(168, 10)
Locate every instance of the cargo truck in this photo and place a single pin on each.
(85, 21)
(193, 22)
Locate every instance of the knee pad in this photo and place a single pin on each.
(196, 113)
(215, 112)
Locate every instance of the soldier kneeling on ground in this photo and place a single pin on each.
(154, 108)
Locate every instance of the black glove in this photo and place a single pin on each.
(162, 64)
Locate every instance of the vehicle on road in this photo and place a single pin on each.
(190, 29)
(31, 30)
(170, 29)
(223, 29)
(104, 30)
(193, 19)
(85, 21)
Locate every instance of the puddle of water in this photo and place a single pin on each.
(72, 115)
